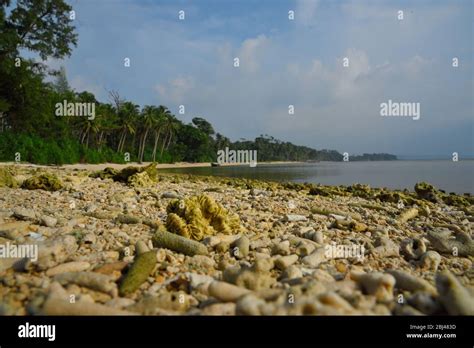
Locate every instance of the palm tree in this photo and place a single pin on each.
(170, 127)
(127, 115)
(162, 114)
(149, 117)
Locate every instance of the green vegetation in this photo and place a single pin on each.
(121, 131)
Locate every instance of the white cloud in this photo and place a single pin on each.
(306, 11)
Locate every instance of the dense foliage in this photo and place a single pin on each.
(120, 131)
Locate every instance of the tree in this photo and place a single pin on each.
(127, 115)
(61, 85)
(40, 26)
(148, 118)
(162, 114)
(203, 125)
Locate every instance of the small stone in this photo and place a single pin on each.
(24, 214)
(282, 248)
(48, 221)
(226, 292)
(318, 256)
(285, 261)
(430, 261)
(89, 238)
(78, 266)
(170, 194)
(294, 218)
(291, 272)
(240, 248)
(249, 305)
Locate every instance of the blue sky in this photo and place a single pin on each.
(285, 62)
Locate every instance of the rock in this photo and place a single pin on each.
(305, 249)
(291, 272)
(378, 284)
(455, 298)
(407, 215)
(249, 305)
(424, 302)
(77, 266)
(222, 247)
(385, 247)
(282, 248)
(53, 252)
(263, 265)
(220, 309)
(406, 281)
(294, 218)
(91, 280)
(318, 256)
(120, 302)
(110, 268)
(442, 242)
(285, 261)
(196, 280)
(226, 292)
(240, 248)
(170, 194)
(56, 306)
(14, 230)
(24, 214)
(89, 238)
(248, 278)
(412, 248)
(430, 261)
(48, 221)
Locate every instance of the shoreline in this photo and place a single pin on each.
(119, 166)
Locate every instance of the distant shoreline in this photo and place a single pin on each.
(178, 165)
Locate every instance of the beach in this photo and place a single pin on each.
(143, 242)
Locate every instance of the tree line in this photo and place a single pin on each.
(120, 131)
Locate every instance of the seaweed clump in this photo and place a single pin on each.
(46, 181)
(7, 178)
(200, 216)
(132, 176)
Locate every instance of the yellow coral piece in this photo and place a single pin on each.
(199, 216)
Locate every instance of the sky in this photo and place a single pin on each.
(284, 62)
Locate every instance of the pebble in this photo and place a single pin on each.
(24, 214)
(285, 261)
(48, 221)
(240, 248)
(68, 267)
(295, 218)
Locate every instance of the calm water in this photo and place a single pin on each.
(447, 175)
